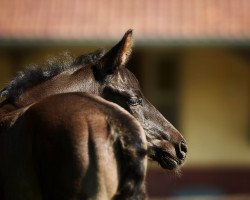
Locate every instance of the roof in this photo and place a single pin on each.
(109, 19)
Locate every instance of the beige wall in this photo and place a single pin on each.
(5, 68)
(215, 107)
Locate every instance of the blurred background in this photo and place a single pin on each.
(192, 59)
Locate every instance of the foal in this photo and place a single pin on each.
(58, 142)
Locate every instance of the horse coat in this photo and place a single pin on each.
(88, 149)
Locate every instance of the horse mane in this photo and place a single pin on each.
(35, 74)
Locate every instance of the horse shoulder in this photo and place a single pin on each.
(85, 147)
(131, 147)
(71, 136)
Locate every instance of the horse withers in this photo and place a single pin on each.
(54, 123)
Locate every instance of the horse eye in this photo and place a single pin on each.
(134, 101)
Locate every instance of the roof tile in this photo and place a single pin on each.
(107, 19)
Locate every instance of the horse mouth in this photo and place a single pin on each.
(165, 159)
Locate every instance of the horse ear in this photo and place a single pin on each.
(118, 55)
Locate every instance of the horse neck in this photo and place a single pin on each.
(81, 80)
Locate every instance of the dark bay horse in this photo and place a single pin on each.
(82, 129)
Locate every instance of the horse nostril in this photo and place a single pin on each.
(182, 150)
(183, 147)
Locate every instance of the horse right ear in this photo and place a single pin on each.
(117, 57)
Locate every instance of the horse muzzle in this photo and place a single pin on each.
(169, 155)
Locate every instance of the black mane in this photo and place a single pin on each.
(36, 74)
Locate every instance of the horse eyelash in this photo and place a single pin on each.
(137, 102)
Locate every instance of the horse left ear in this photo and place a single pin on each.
(117, 56)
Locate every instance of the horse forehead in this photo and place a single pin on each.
(125, 78)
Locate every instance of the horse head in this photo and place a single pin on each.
(165, 144)
(105, 74)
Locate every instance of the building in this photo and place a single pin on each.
(192, 58)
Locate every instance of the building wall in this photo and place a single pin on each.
(215, 107)
(5, 68)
